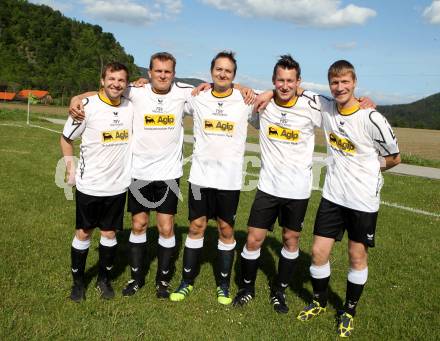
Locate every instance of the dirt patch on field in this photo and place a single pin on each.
(37, 109)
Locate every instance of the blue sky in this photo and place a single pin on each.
(394, 45)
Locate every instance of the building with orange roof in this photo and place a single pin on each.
(7, 96)
(42, 95)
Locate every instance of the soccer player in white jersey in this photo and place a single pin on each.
(157, 168)
(360, 144)
(102, 177)
(220, 129)
(287, 140)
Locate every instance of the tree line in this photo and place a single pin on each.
(424, 113)
(42, 49)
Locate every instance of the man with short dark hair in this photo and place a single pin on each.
(287, 141)
(361, 144)
(102, 177)
(220, 129)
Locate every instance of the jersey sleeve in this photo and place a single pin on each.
(254, 119)
(128, 92)
(131, 91)
(186, 88)
(73, 129)
(382, 134)
(315, 105)
(189, 106)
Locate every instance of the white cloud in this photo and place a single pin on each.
(349, 45)
(318, 13)
(131, 11)
(124, 11)
(172, 7)
(253, 82)
(383, 98)
(316, 87)
(432, 12)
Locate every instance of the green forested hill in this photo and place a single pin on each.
(424, 113)
(40, 48)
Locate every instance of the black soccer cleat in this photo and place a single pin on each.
(278, 301)
(105, 289)
(162, 289)
(243, 297)
(78, 292)
(131, 288)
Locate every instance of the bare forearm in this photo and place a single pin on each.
(389, 162)
(66, 146)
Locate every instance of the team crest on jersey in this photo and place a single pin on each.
(341, 143)
(219, 110)
(113, 136)
(159, 109)
(210, 125)
(283, 119)
(165, 120)
(284, 134)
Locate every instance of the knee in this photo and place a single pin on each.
(358, 260)
(166, 227)
(320, 255)
(166, 231)
(197, 228)
(291, 240)
(139, 225)
(83, 235)
(226, 232)
(254, 242)
(111, 234)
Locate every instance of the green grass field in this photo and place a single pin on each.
(400, 302)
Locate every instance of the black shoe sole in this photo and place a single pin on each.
(281, 311)
(106, 296)
(77, 299)
(162, 295)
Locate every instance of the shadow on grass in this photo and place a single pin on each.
(267, 263)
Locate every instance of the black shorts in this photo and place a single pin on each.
(153, 195)
(107, 213)
(332, 220)
(212, 203)
(267, 208)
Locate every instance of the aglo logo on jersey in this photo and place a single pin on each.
(113, 136)
(211, 125)
(151, 120)
(284, 134)
(341, 143)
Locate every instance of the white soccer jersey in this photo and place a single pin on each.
(105, 152)
(220, 130)
(158, 131)
(287, 141)
(355, 139)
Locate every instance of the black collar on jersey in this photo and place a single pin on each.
(349, 111)
(227, 93)
(288, 104)
(102, 96)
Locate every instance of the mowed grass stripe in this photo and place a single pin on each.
(37, 223)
